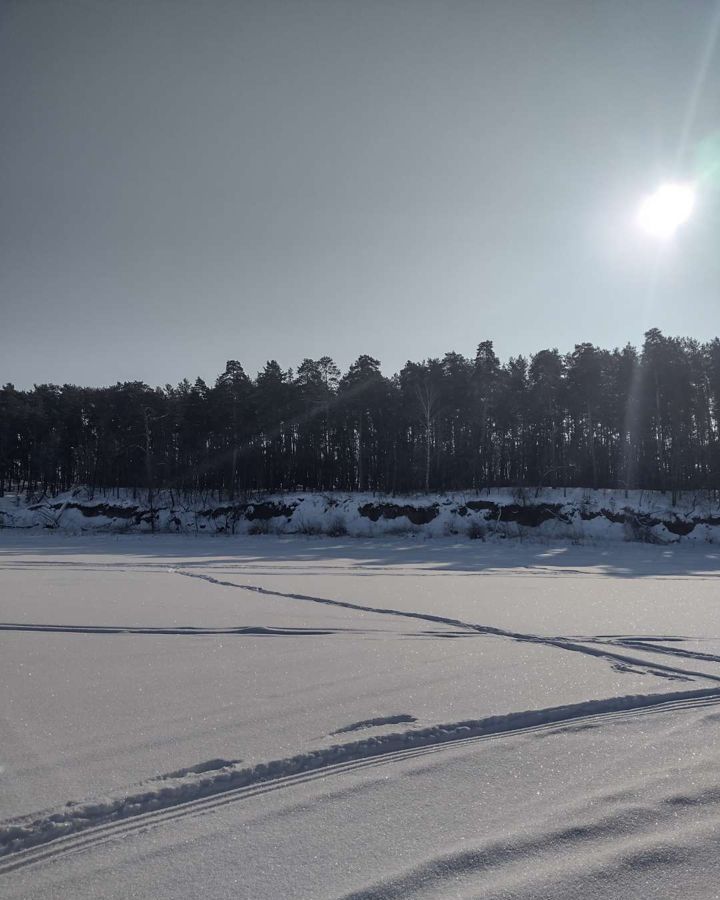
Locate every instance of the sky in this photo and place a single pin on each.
(184, 182)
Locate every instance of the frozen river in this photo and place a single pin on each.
(440, 718)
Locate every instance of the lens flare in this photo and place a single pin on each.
(664, 211)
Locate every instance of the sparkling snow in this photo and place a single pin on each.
(443, 718)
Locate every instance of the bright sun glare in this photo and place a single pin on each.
(664, 211)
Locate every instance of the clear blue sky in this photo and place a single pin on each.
(182, 182)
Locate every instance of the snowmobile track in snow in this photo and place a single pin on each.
(590, 647)
(73, 828)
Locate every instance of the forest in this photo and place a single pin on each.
(621, 418)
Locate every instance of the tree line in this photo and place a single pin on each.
(621, 418)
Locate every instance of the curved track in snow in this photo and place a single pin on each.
(588, 646)
(44, 836)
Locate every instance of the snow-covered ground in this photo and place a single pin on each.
(304, 717)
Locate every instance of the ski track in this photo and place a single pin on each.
(246, 630)
(218, 782)
(652, 646)
(257, 630)
(619, 660)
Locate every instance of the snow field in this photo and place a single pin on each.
(546, 713)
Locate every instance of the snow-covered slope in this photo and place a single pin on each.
(573, 513)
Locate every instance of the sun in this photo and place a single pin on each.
(664, 211)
